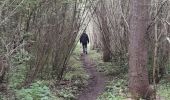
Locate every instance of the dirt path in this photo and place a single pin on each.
(96, 83)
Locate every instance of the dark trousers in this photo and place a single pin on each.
(84, 48)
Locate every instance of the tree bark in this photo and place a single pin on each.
(3, 71)
(106, 51)
(105, 34)
(138, 75)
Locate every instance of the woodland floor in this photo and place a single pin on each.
(87, 78)
(96, 82)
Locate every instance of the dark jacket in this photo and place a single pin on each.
(84, 39)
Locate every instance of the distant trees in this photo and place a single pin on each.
(160, 45)
(95, 36)
(111, 19)
(105, 32)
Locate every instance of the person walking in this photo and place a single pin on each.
(84, 40)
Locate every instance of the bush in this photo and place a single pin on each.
(164, 89)
(19, 67)
(67, 93)
(115, 90)
(37, 91)
(110, 96)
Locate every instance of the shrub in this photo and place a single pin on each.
(37, 91)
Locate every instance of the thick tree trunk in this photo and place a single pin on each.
(105, 34)
(138, 75)
(106, 51)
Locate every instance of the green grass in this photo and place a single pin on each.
(116, 87)
(164, 86)
(37, 91)
(18, 68)
(96, 56)
(40, 89)
(109, 68)
(164, 89)
(75, 77)
(115, 90)
(76, 70)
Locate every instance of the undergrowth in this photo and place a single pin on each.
(164, 85)
(37, 91)
(75, 78)
(73, 81)
(109, 68)
(116, 88)
(164, 89)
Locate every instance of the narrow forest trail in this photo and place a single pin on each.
(96, 82)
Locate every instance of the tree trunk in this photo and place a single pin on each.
(2, 75)
(138, 75)
(105, 34)
(2, 71)
(106, 51)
